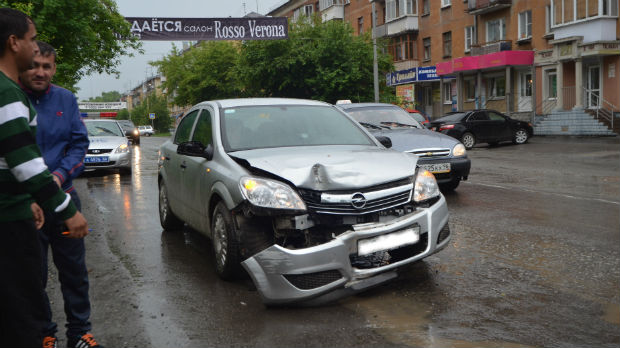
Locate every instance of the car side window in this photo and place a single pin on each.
(494, 116)
(185, 128)
(203, 131)
(478, 116)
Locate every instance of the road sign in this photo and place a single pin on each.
(152, 115)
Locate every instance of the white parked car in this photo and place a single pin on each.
(108, 147)
(146, 130)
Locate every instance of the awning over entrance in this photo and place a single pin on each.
(491, 60)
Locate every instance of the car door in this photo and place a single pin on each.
(174, 164)
(499, 127)
(477, 124)
(194, 189)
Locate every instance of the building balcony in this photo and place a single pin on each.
(333, 11)
(491, 47)
(380, 31)
(476, 7)
(402, 25)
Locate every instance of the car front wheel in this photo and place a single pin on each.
(469, 140)
(167, 219)
(520, 136)
(225, 246)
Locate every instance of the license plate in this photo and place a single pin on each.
(99, 159)
(437, 167)
(388, 241)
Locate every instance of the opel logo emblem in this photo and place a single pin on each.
(358, 201)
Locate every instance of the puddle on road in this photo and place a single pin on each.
(408, 323)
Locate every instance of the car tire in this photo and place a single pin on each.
(450, 186)
(168, 220)
(468, 140)
(520, 137)
(125, 171)
(225, 245)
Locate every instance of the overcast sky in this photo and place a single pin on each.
(135, 69)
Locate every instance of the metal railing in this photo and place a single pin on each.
(491, 47)
(601, 107)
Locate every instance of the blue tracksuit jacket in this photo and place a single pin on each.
(61, 133)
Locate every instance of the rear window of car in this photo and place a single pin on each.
(254, 127)
(453, 117)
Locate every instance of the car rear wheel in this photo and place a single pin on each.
(450, 186)
(225, 246)
(469, 140)
(166, 217)
(520, 136)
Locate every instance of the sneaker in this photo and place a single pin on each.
(50, 342)
(85, 341)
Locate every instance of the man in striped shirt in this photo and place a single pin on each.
(24, 180)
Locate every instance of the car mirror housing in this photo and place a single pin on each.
(208, 152)
(385, 141)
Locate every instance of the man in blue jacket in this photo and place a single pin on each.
(63, 140)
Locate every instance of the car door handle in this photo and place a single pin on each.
(183, 165)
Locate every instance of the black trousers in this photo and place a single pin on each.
(22, 297)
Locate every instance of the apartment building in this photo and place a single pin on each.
(521, 57)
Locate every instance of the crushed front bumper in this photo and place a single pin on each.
(325, 272)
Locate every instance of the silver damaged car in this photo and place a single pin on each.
(301, 195)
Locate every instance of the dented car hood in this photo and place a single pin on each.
(332, 167)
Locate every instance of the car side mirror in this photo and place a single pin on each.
(385, 141)
(208, 152)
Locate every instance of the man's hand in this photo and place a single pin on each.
(77, 225)
(38, 216)
(57, 180)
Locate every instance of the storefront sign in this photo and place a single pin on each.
(405, 93)
(428, 73)
(194, 29)
(102, 106)
(400, 77)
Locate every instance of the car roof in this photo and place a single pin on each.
(362, 105)
(230, 103)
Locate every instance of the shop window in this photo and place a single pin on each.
(496, 87)
(470, 89)
(551, 80)
(447, 92)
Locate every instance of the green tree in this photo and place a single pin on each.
(112, 96)
(204, 72)
(85, 34)
(322, 61)
(123, 114)
(153, 104)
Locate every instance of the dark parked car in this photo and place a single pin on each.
(483, 126)
(131, 131)
(441, 155)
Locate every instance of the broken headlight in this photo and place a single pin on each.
(270, 194)
(425, 186)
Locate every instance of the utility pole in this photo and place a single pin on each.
(375, 67)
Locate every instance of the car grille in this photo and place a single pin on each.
(313, 280)
(431, 153)
(443, 234)
(98, 151)
(349, 202)
(384, 258)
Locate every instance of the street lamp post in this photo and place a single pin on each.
(375, 67)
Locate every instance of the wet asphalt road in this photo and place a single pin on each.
(534, 262)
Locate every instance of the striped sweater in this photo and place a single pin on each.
(24, 177)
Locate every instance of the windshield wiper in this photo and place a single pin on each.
(391, 124)
(373, 125)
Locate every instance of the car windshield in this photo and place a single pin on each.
(103, 129)
(255, 127)
(393, 117)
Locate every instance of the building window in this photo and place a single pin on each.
(447, 44)
(325, 4)
(426, 7)
(548, 20)
(566, 11)
(447, 92)
(470, 89)
(305, 11)
(360, 25)
(525, 25)
(496, 87)
(552, 84)
(410, 6)
(427, 48)
(391, 11)
(496, 30)
(399, 8)
(403, 48)
(446, 3)
(469, 37)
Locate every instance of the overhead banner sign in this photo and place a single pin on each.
(102, 106)
(197, 29)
